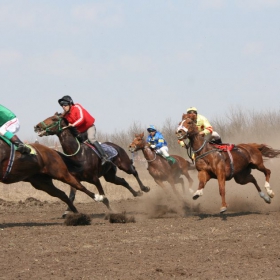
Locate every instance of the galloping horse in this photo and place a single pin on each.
(159, 168)
(83, 155)
(212, 162)
(39, 169)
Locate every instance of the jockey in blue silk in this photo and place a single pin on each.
(158, 143)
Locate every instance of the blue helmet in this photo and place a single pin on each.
(151, 128)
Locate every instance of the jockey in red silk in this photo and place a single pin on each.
(79, 117)
(204, 127)
(9, 125)
(157, 142)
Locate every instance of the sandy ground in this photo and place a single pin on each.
(171, 238)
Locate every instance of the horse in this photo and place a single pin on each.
(213, 162)
(39, 168)
(159, 168)
(83, 155)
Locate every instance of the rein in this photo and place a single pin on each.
(60, 128)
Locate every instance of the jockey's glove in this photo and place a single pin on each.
(152, 146)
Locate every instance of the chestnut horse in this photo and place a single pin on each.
(212, 162)
(159, 168)
(83, 155)
(39, 169)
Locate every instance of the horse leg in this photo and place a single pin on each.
(44, 183)
(142, 187)
(129, 168)
(190, 180)
(222, 190)
(246, 177)
(99, 187)
(181, 181)
(203, 178)
(72, 196)
(111, 177)
(267, 174)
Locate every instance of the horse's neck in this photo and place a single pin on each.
(68, 142)
(148, 153)
(198, 143)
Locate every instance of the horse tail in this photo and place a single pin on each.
(266, 150)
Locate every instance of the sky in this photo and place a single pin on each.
(144, 61)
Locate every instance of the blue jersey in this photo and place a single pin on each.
(157, 140)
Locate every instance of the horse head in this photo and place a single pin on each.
(138, 143)
(186, 128)
(51, 126)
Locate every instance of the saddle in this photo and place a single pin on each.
(109, 150)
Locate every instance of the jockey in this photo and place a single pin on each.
(9, 125)
(80, 118)
(157, 142)
(204, 127)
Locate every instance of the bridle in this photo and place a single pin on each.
(47, 129)
(145, 147)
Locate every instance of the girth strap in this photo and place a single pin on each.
(11, 161)
(218, 150)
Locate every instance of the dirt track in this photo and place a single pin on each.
(171, 238)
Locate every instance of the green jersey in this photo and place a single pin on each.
(5, 115)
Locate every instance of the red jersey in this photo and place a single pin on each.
(79, 117)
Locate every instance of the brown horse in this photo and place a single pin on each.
(159, 168)
(212, 162)
(85, 157)
(39, 169)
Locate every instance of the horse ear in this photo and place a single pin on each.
(142, 135)
(184, 116)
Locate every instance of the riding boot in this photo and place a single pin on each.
(218, 141)
(104, 156)
(171, 160)
(23, 149)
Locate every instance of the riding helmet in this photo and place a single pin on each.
(65, 100)
(193, 109)
(151, 128)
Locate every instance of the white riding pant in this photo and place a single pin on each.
(163, 151)
(12, 126)
(91, 134)
(212, 137)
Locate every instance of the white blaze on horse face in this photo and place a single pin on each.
(181, 127)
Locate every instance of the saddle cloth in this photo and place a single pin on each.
(109, 150)
(224, 147)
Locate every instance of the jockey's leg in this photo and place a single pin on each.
(22, 148)
(216, 138)
(164, 152)
(91, 134)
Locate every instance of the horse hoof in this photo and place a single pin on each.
(223, 209)
(146, 189)
(65, 214)
(139, 193)
(196, 196)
